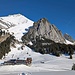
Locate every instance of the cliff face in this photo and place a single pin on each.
(43, 28)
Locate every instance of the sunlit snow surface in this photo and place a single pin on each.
(51, 63)
(21, 24)
(68, 42)
(40, 63)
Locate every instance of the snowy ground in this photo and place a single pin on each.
(41, 73)
(41, 63)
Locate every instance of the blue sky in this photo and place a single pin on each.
(58, 12)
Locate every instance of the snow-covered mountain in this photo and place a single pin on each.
(16, 19)
(16, 24)
(69, 38)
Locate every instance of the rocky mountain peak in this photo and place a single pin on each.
(69, 38)
(43, 28)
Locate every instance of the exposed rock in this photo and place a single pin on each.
(69, 38)
(43, 28)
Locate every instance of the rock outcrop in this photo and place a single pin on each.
(43, 28)
(69, 38)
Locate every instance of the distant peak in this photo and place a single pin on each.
(69, 38)
(66, 33)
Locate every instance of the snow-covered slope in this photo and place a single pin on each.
(40, 62)
(16, 24)
(68, 42)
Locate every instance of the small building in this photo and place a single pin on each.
(20, 61)
(10, 62)
(27, 62)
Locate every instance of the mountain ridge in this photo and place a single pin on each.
(14, 24)
(15, 19)
(18, 23)
(43, 28)
(69, 38)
